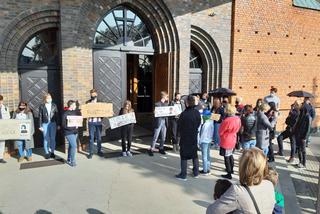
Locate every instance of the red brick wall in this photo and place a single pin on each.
(275, 44)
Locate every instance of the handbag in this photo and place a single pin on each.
(253, 200)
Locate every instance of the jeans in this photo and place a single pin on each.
(126, 135)
(95, 128)
(21, 146)
(174, 131)
(184, 165)
(265, 151)
(249, 144)
(72, 148)
(301, 147)
(161, 129)
(49, 135)
(216, 137)
(206, 160)
(284, 135)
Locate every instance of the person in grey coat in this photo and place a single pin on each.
(24, 113)
(263, 128)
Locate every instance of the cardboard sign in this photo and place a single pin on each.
(215, 117)
(74, 121)
(97, 110)
(15, 129)
(122, 120)
(167, 111)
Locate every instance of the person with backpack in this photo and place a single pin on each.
(248, 128)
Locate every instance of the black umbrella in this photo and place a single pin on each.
(300, 94)
(222, 92)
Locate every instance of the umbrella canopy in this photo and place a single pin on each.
(222, 92)
(300, 94)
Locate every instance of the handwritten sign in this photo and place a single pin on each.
(15, 129)
(167, 111)
(74, 121)
(122, 120)
(97, 110)
(216, 117)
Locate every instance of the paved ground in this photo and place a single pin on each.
(141, 184)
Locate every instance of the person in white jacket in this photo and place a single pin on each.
(205, 139)
(4, 114)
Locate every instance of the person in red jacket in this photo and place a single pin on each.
(228, 130)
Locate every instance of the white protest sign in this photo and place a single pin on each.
(167, 111)
(11, 129)
(122, 120)
(74, 121)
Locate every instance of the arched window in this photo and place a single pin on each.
(196, 73)
(195, 59)
(41, 49)
(122, 27)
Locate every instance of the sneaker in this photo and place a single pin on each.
(291, 160)
(52, 155)
(47, 156)
(195, 176)
(124, 154)
(129, 154)
(20, 159)
(301, 166)
(29, 158)
(204, 173)
(161, 151)
(89, 156)
(2, 161)
(100, 154)
(181, 178)
(279, 154)
(150, 152)
(227, 176)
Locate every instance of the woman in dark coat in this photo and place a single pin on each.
(127, 130)
(188, 125)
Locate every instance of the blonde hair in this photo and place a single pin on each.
(230, 109)
(272, 176)
(127, 102)
(163, 94)
(252, 167)
(264, 107)
(46, 96)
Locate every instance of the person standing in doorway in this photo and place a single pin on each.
(49, 124)
(24, 113)
(174, 121)
(95, 127)
(160, 126)
(127, 130)
(4, 114)
(272, 97)
(71, 133)
(188, 125)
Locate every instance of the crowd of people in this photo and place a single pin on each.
(202, 125)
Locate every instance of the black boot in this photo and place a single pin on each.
(232, 164)
(227, 163)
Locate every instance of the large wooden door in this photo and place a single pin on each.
(34, 84)
(161, 75)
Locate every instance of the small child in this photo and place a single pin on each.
(274, 177)
(205, 140)
(220, 188)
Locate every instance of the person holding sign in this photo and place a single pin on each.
(95, 126)
(4, 114)
(71, 133)
(127, 130)
(24, 113)
(49, 120)
(174, 121)
(160, 126)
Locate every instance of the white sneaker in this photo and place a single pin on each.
(124, 154)
(129, 154)
(301, 166)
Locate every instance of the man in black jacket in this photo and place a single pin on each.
(188, 125)
(160, 126)
(49, 121)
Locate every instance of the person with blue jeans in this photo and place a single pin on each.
(206, 137)
(71, 133)
(248, 129)
(49, 120)
(217, 108)
(95, 127)
(24, 113)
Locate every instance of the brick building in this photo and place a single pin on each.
(134, 49)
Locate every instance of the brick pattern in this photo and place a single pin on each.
(275, 44)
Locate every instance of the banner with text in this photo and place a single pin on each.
(122, 120)
(97, 110)
(15, 129)
(167, 111)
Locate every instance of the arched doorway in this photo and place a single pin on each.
(125, 62)
(39, 72)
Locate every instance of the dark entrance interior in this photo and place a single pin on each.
(39, 74)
